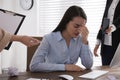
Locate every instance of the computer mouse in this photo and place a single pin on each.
(65, 77)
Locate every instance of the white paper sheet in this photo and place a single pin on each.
(93, 74)
(33, 79)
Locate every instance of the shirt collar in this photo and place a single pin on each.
(59, 36)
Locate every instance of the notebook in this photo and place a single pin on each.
(105, 24)
(93, 74)
(116, 59)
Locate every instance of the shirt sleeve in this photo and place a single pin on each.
(38, 62)
(98, 42)
(86, 56)
(113, 28)
(4, 39)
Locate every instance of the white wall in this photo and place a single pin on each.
(16, 56)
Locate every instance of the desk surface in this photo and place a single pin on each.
(42, 75)
(113, 73)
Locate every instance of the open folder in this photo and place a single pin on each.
(10, 22)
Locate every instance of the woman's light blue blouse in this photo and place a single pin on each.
(53, 53)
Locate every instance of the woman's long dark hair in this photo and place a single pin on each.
(71, 12)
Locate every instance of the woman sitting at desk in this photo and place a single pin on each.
(60, 50)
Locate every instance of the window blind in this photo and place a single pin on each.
(50, 13)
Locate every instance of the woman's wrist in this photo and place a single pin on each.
(85, 42)
(16, 38)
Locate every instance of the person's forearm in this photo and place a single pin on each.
(16, 38)
(46, 67)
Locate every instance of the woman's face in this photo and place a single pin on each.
(74, 25)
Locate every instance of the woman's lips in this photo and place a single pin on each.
(76, 34)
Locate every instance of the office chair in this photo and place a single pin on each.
(30, 52)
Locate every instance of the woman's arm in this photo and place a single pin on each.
(26, 40)
(6, 37)
(86, 56)
(38, 62)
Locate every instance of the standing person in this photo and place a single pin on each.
(60, 50)
(110, 40)
(6, 37)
